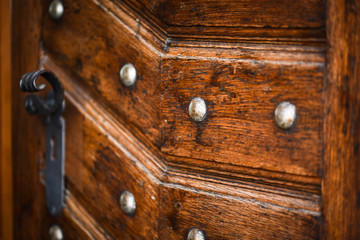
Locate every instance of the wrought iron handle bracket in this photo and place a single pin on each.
(52, 108)
(34, 103)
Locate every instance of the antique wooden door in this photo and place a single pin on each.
(191, 119)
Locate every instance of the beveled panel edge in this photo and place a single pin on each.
(79, 215)
(180, 166)
(246, 52)
(276, 196)
(157, 40)
(113, 127)
(175, 32)
(248, 35)
(313, 58)
(148, 32)
(309, 207)
(239, 218)
(155, 33)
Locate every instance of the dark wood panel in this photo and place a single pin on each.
(245, 18)
(153, 162)
(101, 47)
(241, 97)
(249, 35)
(341, 183)
(244, 13)
(99, 169)
(222, 217)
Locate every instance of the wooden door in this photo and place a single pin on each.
(196, 141)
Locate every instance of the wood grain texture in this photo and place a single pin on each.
(76, 223)
(106, 169)
(107, 120)
(260, 190)
(153, 160)
(145, 28)
(241, 97)
(246, 51)
(230, 218)
(280, 20)
(281, 54)
(186, 167)
(340, 187)
(244, 13)
(95, 181)
(299, 193)
(76, 212)
(235, 176)
(28, 131)
(101, 47)
(6, 182)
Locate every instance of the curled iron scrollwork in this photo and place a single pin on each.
(34, 103)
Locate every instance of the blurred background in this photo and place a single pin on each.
(5, 122)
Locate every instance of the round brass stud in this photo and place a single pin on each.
(195, 234)
(128, 203)
(285, 115)
(55, 233)
(197, 109)
(56, 9)
(128, 75)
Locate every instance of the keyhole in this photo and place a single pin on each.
(53, 149)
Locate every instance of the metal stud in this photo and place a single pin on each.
(55, 233)
(195, 234)
(197, 109)
(128, 203)
(56, 9)
(128, 75)
(285, 115)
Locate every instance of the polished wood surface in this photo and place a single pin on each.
(78, 60)
(95, 58)
(245, 20)
(103, 172)
(236, 175)
(341, 182)
(239, 128)
(94, 189)
(6, 200)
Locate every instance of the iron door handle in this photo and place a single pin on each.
(52, 108)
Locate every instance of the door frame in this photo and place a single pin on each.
(6, 202)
